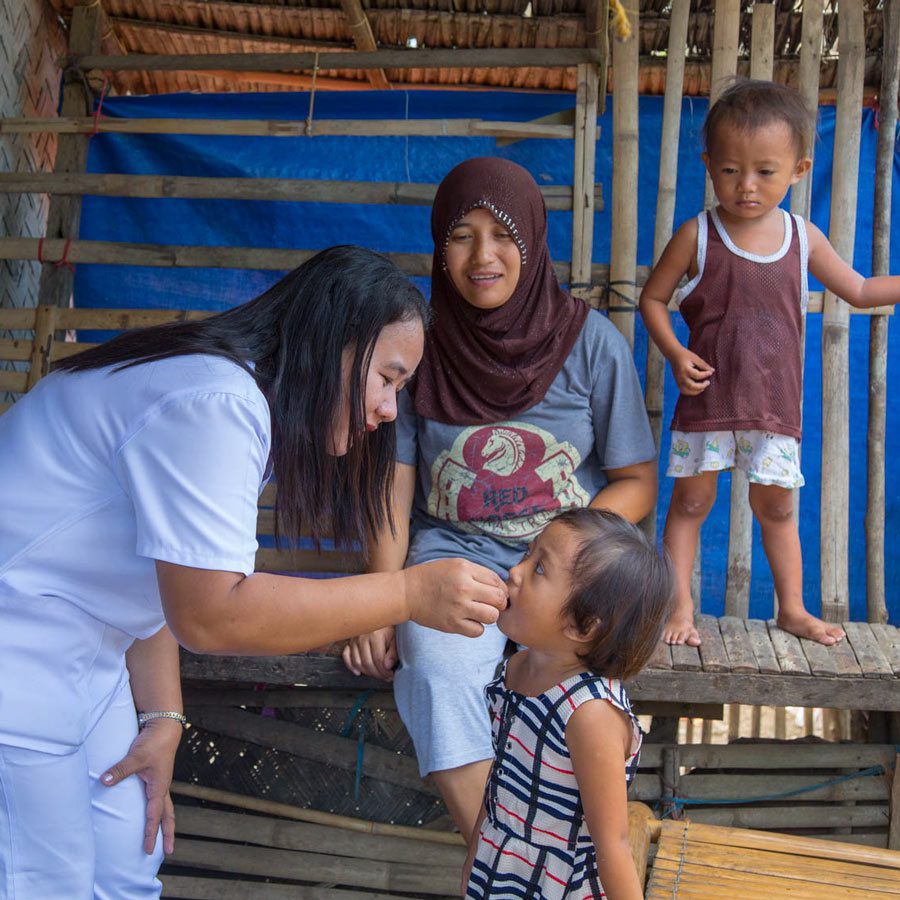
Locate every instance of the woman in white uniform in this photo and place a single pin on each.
(129, 482)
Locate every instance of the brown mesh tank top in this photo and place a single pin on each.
(745, 313)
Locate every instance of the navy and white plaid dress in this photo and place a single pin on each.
(534, 841)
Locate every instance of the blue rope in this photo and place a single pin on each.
(360, 750)
(355, 711)
(361, 736)
(679, 803)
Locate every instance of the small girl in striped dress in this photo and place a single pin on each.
(588, 600)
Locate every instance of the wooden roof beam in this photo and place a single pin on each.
(364, 39)
(542, 57)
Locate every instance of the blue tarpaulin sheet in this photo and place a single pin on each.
(406, 229)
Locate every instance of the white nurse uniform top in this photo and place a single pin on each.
(101, 473)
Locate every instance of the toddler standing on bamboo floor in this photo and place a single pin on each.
(588, 601)
(746, 261)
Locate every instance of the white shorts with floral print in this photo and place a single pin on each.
(767, 458)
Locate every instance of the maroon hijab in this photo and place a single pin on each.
(483, 366)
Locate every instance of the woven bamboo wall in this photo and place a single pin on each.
(31, 41)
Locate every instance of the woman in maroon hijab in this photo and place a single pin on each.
(526, 403)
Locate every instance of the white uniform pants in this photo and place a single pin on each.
(63, 835)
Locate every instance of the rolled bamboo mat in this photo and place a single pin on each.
(703, 862)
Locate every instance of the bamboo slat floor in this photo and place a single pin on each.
(740, 661)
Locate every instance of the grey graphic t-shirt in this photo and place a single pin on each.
(484, 492)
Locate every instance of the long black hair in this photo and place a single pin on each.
(291, 339)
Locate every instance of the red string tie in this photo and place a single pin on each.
(103, 89)
(64, 260)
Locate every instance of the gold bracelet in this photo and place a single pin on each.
(144, 718)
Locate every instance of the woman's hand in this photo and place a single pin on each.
(152, 757)
(691, 373)
(454, 595)
(373, 654)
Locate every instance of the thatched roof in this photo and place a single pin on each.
(254, 26)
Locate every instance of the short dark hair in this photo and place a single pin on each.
(622, 591)
(749, 104)
(291, 339)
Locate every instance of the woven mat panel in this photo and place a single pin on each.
(383, 727)
(31, 40)
(230, 764)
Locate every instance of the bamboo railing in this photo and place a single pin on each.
(665, 206)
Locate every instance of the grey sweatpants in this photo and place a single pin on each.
(439, 688)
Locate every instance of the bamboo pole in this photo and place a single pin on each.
(623, 244)
(740, 548)
(835, 319)
(265, 258)
(734, 721)
(740, 528)
(810, 66)
(44, 332)
(893, 841)
(665, 207)
(756, 721)
(556, 197)
(270, 807)
(596, 27)
(243, 859)
(74, 124)
(740, 534)
(584, 180)
(762, 42)
(64, 213)
(217, 257)
(876, 606)
(726, 27)
(809, 721)
(361, 31)
(780, 723)
(809, 74)
(726, 37)
(493, 57)
(307, 837)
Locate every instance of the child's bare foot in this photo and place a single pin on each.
(806, 625)
(680, 630)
